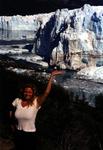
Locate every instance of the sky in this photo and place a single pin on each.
(30, 7)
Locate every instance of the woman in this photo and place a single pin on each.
(26, 109)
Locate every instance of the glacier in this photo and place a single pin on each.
(68, 39)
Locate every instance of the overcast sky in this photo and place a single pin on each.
(29, 7)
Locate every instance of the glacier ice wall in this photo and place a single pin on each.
(23, 22)
(72, 38)
(66, 38)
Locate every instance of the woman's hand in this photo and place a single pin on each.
(57, 72)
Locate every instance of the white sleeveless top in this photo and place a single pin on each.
(25, 115)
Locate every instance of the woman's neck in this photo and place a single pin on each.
(28, 102)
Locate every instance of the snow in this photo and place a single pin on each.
(91, 73)
(13, 51)
(33, 59)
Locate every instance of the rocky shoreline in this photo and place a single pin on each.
(79, 87)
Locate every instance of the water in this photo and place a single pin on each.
(16, 35)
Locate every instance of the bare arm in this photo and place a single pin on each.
(43, 97)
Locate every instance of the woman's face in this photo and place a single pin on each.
(28, 93)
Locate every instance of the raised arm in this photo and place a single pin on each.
(42, 98)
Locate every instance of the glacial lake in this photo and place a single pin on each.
(16, 34)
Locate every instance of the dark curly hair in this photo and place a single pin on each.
(34, 89)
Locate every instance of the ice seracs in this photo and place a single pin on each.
(71, 35)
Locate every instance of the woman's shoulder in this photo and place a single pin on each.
(16, 101)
